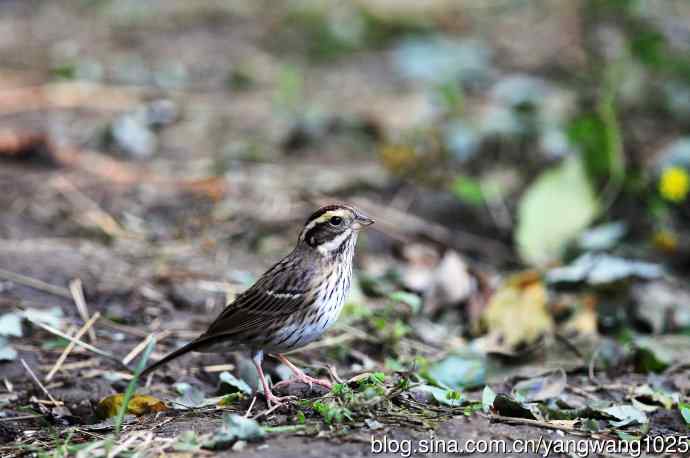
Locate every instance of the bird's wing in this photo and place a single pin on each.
(284, 290)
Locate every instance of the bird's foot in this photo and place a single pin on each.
(274, 401)
(304, 378)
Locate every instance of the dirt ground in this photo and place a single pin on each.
(161, 239)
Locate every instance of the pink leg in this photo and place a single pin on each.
(271, 399)
(301, 376)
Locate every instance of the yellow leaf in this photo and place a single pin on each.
(140, 404)
(517, 313)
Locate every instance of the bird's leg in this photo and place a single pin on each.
(271, 399)
(300, 376)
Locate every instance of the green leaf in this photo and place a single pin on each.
(684, 408)
(233, 384)
(443, 396)
(235, 427)
(488, 397)
(553, 211)
(468, 190)
(459, 371)
(413, 300)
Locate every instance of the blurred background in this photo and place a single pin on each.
(527, 162)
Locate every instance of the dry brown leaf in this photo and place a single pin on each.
(517, 313)
(140, 404)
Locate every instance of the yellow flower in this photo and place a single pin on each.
(674, 184)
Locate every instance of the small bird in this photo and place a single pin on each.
(294, 302)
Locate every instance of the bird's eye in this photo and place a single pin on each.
(336, 220)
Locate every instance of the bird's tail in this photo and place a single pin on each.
(191, 346)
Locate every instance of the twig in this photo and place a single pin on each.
(77, 291)
(543, 424)
(142, 345)
(92, 213)
(22, 417)
(251, 406)
(70, 346)
(35, 283)
(38, 382)
(267, 411)
(78, 342)
(73, 366)
(219, 367)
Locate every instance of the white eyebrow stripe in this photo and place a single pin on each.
(325, 217)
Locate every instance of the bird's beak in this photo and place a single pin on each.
(362, 221)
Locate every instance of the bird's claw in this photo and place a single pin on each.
(275, 402)
(307, 380)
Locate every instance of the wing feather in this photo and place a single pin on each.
(278, 294)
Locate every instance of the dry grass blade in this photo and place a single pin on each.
(35, 283)
(78, 342)
(77, 291)
(142, 345)
(70, 346)
(38, 382)
(92, 214)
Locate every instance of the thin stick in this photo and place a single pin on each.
(78, 342)
(35, 283)
(77, 291)
(219, 367)
(22, 417)
(70, 346)
(92, 213)
(249, 410)
(38, 382)
(142, 345)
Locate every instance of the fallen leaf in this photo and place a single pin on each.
(51, 317)
(7, 352)
(188, 441)
(553, 211)
(517, 312)
(10, 325)
(488, 397)
(651, 355)
(459, 371)
(626, 415)
(602, 237)
(139, 404)
(509, 407)
(451, 283)
(231, 384)
(190, 396)
(664, 398)
(443, 396)
(541, 388)
(603, 269)
(234, 428)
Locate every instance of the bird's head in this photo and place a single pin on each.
(332, 228)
